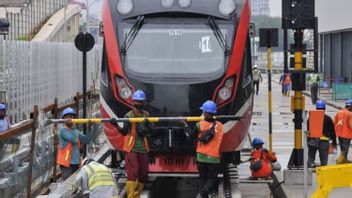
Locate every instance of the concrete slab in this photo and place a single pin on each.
(296, 177)
(283, 136)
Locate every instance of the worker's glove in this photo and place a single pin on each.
(114, 122)
(146, 122)
(90, 123)
(69, 123)
(183, 123)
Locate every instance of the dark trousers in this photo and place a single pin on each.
(314, 92)
(137, 166)
(322, 146)
(287, 88)
(256, 85)
(66, 172)
(208, 177)
(2, 149)
(344, 146)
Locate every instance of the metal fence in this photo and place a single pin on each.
(342, 91)
(37, 72)
(25, 22)
(28, 150)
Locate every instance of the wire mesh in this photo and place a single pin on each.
(34, 73)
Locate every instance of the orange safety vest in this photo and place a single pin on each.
(341, 122)
(130, 138)
(64, 155)
(316, 122)
(212, 148)
(287, 79)
(266, 157)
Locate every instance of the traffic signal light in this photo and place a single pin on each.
(251, 30)
(4, 26)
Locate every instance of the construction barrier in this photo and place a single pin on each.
(331, 177)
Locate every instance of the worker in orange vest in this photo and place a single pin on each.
(343, 128)
(209, 133)
(285, 81)
(322, 130)
(70, 139)
(260, 160)
(136, 146)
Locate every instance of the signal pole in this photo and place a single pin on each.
(269, 38)
(298, 100)
(270, 107)
(298, 15)
(84, 42)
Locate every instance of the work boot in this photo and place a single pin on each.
(341, 160)
(139, 189)
(131, 188)
(313, 165)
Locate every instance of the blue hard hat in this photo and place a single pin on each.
(209, 107)
(2, 106)
(257, 141)
(67, 111)
(139, 95)
(320, 104)
(349, 102)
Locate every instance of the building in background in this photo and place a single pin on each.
(335, 32)
(94, 9)
(26, 17)
(260, 7)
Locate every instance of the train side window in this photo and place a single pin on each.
(105, 68)
(246, 65)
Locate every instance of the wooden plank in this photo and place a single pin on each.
(16, 131)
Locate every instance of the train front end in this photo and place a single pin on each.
(180, 53)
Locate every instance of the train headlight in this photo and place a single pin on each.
(229, 83)
(167, 3)
(124, 6)
(224, 93)
(184, 3)
(124, 91)
(226, 7)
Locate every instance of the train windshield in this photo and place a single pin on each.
(175, 48)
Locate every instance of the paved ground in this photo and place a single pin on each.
(282, 145)
(283, 131)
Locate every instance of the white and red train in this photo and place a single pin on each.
(180, 53)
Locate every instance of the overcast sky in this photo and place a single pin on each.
(275, 7)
